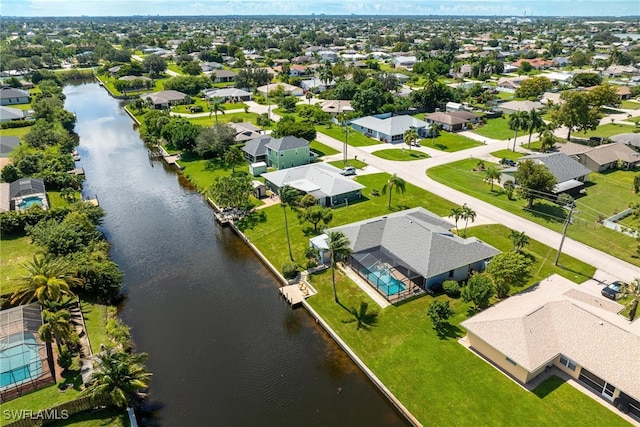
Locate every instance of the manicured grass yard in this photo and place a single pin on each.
(507, 154)
(608, 192)
(225, 118)
(14, 251)
(322, 149)
(630, 105)
(399, 154)
(111, 417)
(358, 164)
(440, 381)
(95, 318)
(355, 139)
(202, 172)
(606, 131)
(19, 132)
(496, 129)
(449, 142)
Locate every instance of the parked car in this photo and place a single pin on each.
(348, 171)
(415, 143)
(612, 290)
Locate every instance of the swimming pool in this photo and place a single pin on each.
(388, 284)
(19, 360)
(29, 201)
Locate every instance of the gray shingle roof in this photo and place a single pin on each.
(10, 92)
(8, 113)
(258, 146)
(561, 166)
(287, 143)
(418, 239)
(7, 143)
(26, 186)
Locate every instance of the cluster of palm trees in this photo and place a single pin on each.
(464, 213)
(49, 280)
(530, 122)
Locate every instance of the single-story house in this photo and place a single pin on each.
(452, 121)
(165, 98)
(537, 63)
(209, 67)
(411, 251)
(624, 92)
(564, 78)
(12, 96)
(316, 85)
(404, 61)
(336, 106)
(602, 157)
(223, 76)
(245, 131)
(27, 192)
(321, 180)
(7, 114)
(390, 129)
(229, 94)
(288, 89)
(511, 107)
(563, 325)
(511, 83)
(8, 143)
(279, 153)
(631, 139)
(132, 78)
(570, 174)
(549, 98)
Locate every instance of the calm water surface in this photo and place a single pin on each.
(225, 348)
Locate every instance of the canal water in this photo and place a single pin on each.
(224, 348)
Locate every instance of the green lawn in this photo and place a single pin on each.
(95, 318)
(399, 154)
(111, 417)
(440, 381)
(201, 172)
(358, 164)
(225, 118)
(322, 149)
(14, 251)
(496, 129)
(19, 132)
(630, 105)
(606, 193)
(507, 154)
(270, 238)
(449, 142)
(355, 139)
(605, 131)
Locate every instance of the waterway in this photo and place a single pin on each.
(224, 348)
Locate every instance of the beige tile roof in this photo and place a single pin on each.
(560, 317)
(609, 153)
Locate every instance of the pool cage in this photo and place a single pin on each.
(26, 363)
(387, 275)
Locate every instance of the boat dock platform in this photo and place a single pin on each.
(293, 294)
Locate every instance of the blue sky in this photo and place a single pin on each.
(329, 7)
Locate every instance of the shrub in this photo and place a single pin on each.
(65, 359)
(451, 288)
(17, 124)
(289, 270)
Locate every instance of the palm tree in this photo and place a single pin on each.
(492, 174)
(49, 279)
(288, 196)
(435, 131)
(325, 73)
(456, 214)
(233, 156)
(519, 239)
(118, 375)
(68, 194)
(467, 214)
(517, 121)
(56, 325)
(410, 136)
(547, 140)
(338, 245)
(215, 107)
(533, 123)
(396, 182)
(309, 96)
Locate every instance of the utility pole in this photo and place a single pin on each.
(564, 231)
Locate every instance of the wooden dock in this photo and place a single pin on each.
(294, 294)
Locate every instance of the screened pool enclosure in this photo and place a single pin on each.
(25, 362)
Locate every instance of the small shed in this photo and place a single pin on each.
(258, 168)
(259, 189)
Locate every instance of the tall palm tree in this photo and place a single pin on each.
(287, 196)
(456, 214)
(338, 245)
(435, 131)
(396, 182)
(325, 73)
(233, 156)
(410, 136)
(56, 326)
(216, 107)
(533, 123)
(517, 121)
(519, 239)
(467, 214)
(492, 174)
(547, 140)
(48, 279)
(118, 375)
(309, 96)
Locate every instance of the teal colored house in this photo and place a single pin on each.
(287, 152)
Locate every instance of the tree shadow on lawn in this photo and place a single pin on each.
(550, 213)
(251, 220)
(362, 317)
(450, 331)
